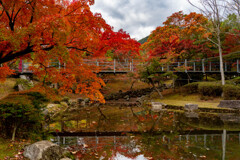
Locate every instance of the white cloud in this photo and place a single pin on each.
(139, 17)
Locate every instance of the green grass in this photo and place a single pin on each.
(123, 83)
(7, 87)
(10, 149)
(180, 100)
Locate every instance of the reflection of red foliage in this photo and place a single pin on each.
(124, 151)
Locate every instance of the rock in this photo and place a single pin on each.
(127, 97)
(169, 86)
(191, 107)
(45, 112)
(235, 104)
(157, 106)
(191, 114)
(82, 104)
(21, 87)
(65, 159)
(44, 150)
(80, 100)
(73, 104)
(24, 77)
(87, 100)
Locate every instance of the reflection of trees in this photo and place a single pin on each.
(164, 146)
(213, 121)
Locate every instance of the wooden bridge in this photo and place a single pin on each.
(115, 66)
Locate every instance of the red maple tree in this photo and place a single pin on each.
(44, 31)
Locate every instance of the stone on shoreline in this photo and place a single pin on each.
(44, 150)
(234, 104)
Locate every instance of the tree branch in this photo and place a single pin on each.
(10, 57)
(80, 49)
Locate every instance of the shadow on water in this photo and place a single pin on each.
(139, 133)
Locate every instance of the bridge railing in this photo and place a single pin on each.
(112, 66)
(115, 66)
(200, 66)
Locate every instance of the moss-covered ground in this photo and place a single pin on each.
(180, 100)
(7, 87)
(11, 150)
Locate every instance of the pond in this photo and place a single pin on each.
(136, 134)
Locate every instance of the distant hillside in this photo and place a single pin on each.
(143, 40)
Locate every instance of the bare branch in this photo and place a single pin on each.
(80, 49)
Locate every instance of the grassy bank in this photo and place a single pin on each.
(10, 149)
(7, 87)
(180, 100)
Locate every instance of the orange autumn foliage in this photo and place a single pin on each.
(4, 72)
(180, 37)
(43, 31)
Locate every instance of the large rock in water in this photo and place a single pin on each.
(235, 104)
(44, 150)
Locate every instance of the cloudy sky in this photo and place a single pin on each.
(139, 17)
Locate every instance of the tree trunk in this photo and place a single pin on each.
(152, 83)
(14, 132)
(159, 93)
(155, 122)
(173, 83)
(62, 126)
(132, 85)
(221, 62)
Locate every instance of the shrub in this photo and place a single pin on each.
(231, 92)
(22, 112)
(235, 81)
(25, 84)
(211, 89)
(191, 88)
(208, 78)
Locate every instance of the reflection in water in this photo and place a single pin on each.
(145, 146)
(224, 144)
(177, 135)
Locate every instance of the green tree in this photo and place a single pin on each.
(22, 111)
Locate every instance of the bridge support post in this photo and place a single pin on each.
(20, 66)
(114, 66)
(194, 66)
(210, 66)
(186, 65)
(64, 140)
(203, 67)
(224, 144)
(132, 65)
(97, 62)
(59, 65)
(225, 66)
(205, 141)
(237, 66)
